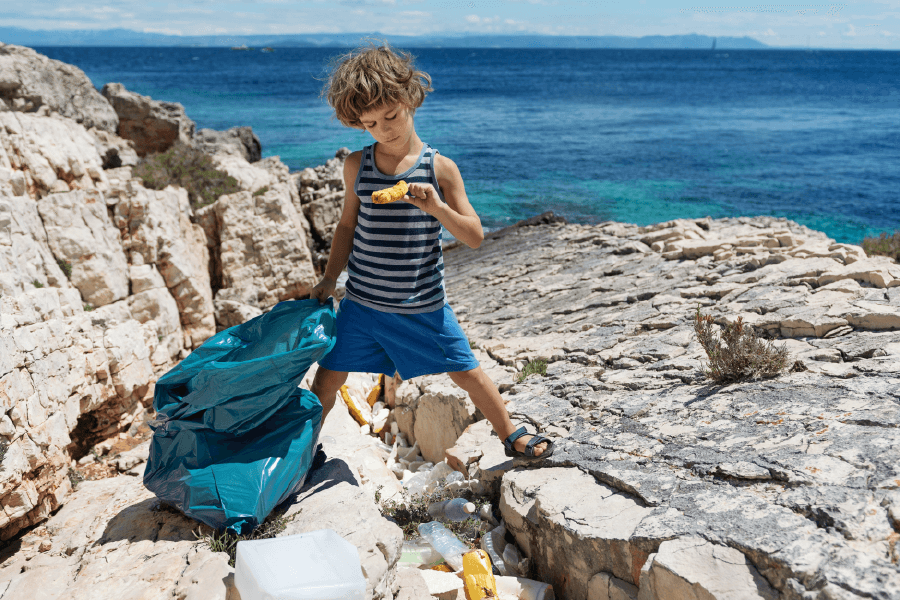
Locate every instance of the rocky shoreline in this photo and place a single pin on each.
(663, 485)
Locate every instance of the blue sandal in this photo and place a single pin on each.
(529, 447)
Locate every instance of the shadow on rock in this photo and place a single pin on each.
(149, 520)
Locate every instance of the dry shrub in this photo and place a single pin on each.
(883, 245)
(188, 168)
(739, 354)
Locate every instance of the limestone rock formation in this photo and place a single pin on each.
(153, 125)
(664, 485)
(43, 155)
(322, 198)
(32, 83)
(114, 538)
(81, 235)
(156, 230)
(239, 141)
(263, 254)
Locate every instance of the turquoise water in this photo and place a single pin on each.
(633, 135)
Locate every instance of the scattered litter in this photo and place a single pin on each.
(418, 552)
(270, 568)
(491, 542)
(354, 406)
(477, 576)
(443, 540)
(523, 589)
(456, 509)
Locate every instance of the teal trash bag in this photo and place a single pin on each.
(234, 435)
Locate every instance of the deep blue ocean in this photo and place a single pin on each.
(632, 135)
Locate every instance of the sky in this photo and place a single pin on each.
(864, 24)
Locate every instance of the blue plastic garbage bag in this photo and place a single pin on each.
(234, 435)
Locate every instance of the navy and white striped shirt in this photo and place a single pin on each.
(396, 264)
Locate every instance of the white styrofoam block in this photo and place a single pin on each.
(318, 565)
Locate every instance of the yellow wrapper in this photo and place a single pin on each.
(391, 194)
(477, 575)
(443, 568)
(376, 391)
(351, 405)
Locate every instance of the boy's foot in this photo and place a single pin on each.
(522, 442)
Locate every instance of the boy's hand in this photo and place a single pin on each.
(323, 290)
(424, 196)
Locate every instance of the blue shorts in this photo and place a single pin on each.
(372, 341)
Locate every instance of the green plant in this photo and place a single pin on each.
(739, 354)
(412, 513)
(75, 477)
(37, 284)
(472, 345)
(188, 168)
(88, 308)
(3, 447)
(883, 245)
(66, 267)
(261, 191)
(226, 541)
(534, 366)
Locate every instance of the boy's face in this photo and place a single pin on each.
(391, 124)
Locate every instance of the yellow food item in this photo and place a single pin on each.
(352, 407)
(376, 391)
(391, 194)
(477, 575)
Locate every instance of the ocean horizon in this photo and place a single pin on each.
(639, 136)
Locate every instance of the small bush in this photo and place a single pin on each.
(410, 514)
(188, 168)
(534, 366)
(739, 354)
(37, 284)
(261, 191)
(3, 447)
(75, 477)
(227, 540)
(88, 308)
(66, 267)
(883, 245)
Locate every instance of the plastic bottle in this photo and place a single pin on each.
(491, 542)
(457, 509)
(443, 540)
(524, 589)
(419, 552)
(512, 558)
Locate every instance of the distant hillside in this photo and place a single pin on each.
(125, 37)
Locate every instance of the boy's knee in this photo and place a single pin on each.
(327, 383)
(465, 379)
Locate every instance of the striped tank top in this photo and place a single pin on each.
(396, 264)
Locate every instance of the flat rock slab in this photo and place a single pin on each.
(783, 488)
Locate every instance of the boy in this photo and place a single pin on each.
(394, 315)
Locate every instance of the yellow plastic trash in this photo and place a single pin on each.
(478, 576)
(376, 391)
(355, 411)
(443, 567)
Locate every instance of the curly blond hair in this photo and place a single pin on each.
(371, 77)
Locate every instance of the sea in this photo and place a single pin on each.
(639, 136)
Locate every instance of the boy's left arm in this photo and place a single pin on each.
(455, 212)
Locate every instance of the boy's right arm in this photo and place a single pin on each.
(342, 243)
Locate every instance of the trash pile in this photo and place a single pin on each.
(495, 567)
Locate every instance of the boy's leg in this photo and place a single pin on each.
(487, 399)
(325, 386)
